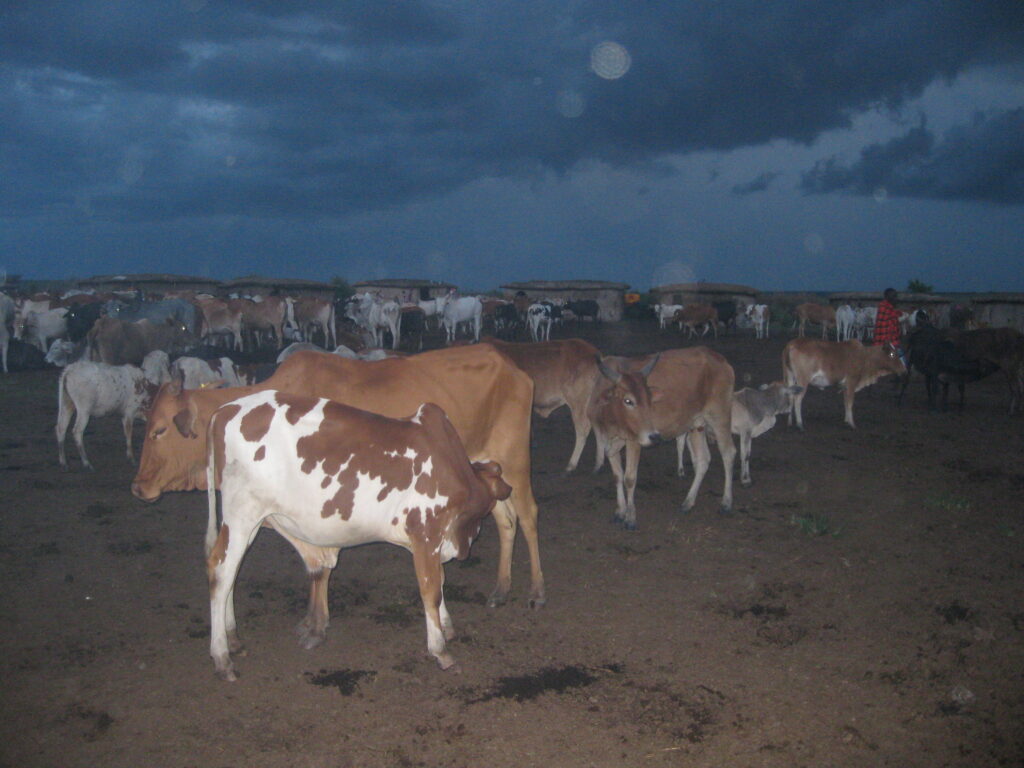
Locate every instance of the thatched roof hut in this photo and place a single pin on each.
(609, 296)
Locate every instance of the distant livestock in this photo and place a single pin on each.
(815, 313)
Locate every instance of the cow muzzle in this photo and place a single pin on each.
(138, 493)
(653, 438)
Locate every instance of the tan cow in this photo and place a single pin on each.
(848, 364)
(310, 313)
(268, 314)
(693, 315)
(487, 398)
(219, 318)
(674, 395)
(815, 313)
(563, 373)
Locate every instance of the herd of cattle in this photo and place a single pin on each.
(333, 450)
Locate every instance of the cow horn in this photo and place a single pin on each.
(646, 370)
(609, 373)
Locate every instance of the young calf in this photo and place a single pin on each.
(96, 389)
(753, 414)
(334, 476)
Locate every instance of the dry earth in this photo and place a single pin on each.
(861, 607)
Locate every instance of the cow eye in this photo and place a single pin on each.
(158, 431)
(628, 401)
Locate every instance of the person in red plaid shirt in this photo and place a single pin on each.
(887, 321)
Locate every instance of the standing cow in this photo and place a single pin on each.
(810, 312)
(335, 477)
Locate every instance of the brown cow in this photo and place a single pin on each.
(816, 313)
(676, 394)
(848, 364)
(340, 477)
(310, 313)
(693, 315)
(268, 314)
(563, 373)
(220, 317)
(124, 342)
(487, 398)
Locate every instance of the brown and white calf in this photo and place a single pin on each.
(676, 394)
(336, 476)
(760, 316)
(88, 389)
(847, 364)
(693, 315)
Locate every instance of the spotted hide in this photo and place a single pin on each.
(334, 477)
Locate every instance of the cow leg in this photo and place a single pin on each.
(78, 432)
(681, 454)
(721, 427)
(798, 402)
(64, 411)
(629, 478)
(745, 442)
(581, 425)
(701, 455)
(600, 451)
(614, 453)
(848, 395)
(430, 576)
(221, 570)
(320, 563)
(126, 424)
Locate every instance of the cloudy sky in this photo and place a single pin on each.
(791, 144)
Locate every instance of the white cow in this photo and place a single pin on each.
(864, 322)
(96, 389)
(7, 315)
(538, 319)
(760, 318)
(375, 316)
(38, 327)
(195, 373)
(665, 313)
(463, 309)
(845, 318)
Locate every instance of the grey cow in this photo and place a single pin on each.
(753, 414)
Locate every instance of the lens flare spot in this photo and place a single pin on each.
(881, 194)
(610, 60)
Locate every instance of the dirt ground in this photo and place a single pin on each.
(861, 607)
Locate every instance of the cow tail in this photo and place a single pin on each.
(787, 370)
(64, 403)
(211, 488)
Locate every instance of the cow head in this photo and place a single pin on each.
(174, 450)
(890, 361)
(623, 409)
(781, 396)
(491, 488)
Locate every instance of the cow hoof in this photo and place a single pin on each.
(227, 673)
(628, 526)
(537, 602)
(723, 510)
(746, 483)
(497, 598)
(685, 510)
(311, 640)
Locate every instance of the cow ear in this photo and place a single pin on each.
(490, 473)
(184, 420)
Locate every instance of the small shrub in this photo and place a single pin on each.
(816, 525)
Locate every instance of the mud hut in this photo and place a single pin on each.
(257, 285)
(999, 309)
(149, 284)
(610, 297)
(405, 289)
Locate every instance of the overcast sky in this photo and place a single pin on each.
(790, 144)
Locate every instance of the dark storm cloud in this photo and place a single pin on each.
(191, 108)
(760, 184)
(983, 161)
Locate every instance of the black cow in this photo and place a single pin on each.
(584, 308)
(726, 313)
(81, 318)
(934, 354)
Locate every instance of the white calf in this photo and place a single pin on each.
(845, 317)
(195, 373)
(538, 318)
(665, 313)
(465, 309)
(760, 317)
(39, 327)
(97, 389)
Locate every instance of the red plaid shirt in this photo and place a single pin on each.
(887, 324)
